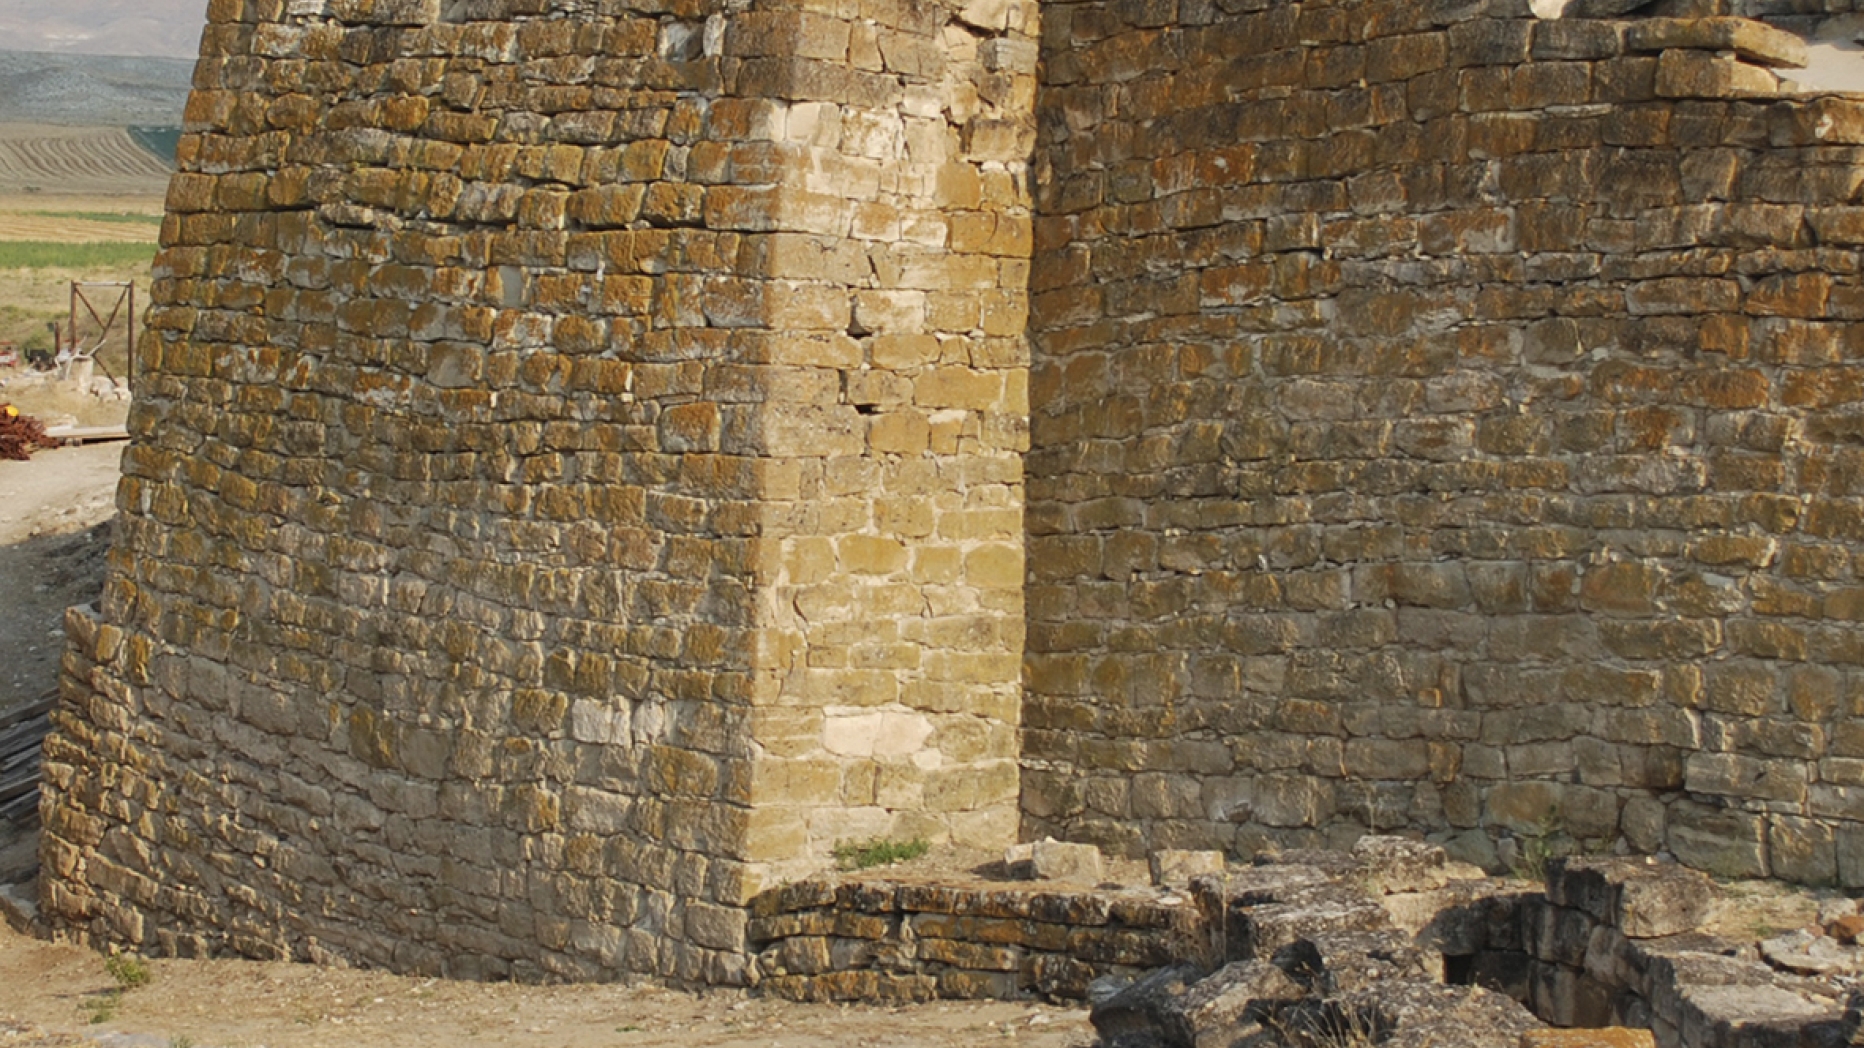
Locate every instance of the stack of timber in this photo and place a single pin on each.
(21, 732)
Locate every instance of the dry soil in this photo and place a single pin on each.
(50, 993)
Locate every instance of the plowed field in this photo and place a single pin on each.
(35, 157)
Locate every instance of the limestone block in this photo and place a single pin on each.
(1414, 1013)
(1805, 953)
(1723, 843)
(1641, 898)
(1050, 859)
(1396, 864)
(1584, 8)
(1691, 74)
(1753, 41)
(1260, 930)
(1141, 1014)
(1175, 868)
(862, 732)
(1224, 1002)
(1335, 963)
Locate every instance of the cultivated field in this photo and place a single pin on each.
(42, 158)
(48, 241)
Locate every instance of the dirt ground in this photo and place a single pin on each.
(52, 992)
(52, 546)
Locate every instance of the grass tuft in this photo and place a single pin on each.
(129, 970)
(879, 852)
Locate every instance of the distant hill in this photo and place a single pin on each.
(91, 91)
(158, 28)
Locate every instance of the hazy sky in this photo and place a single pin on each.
(170, 28)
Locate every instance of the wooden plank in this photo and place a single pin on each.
(23, 810)
(38, 709)
(69, 435)
(21, 735)
(28, 759)
(20, 787)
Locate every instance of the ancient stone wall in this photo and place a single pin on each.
(578, 467)
(1445, 419)
(575, 482)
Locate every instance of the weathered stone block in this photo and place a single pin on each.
(1176, 868)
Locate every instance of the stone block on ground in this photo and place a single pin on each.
(1053, 860)
(20, 909)
(1804, 953)
(1138, 1015)
(1755, 1017)
(1642, 898)
(1259, 931)
(1333, 963)
(1846, 928)
(1230, 999)
(1398, 864)
(1463, 917)
(1175, 868)
(1409, 1015)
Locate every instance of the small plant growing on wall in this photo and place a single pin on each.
(879, 852)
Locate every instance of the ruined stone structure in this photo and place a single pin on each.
(579, 462)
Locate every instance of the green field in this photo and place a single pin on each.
(162, 141)
(122, 217)
(39, 254)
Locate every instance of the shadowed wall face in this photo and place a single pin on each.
(1444, 420)
(575, 481)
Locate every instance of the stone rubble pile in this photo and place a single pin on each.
(1394, 944)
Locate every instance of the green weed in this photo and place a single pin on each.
(1537, 849)
(879, 852)
(100, 1008)
(129, 970)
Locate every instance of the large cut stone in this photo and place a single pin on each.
(1259, 931)
(1642, 898)
(1409, 1015)
(1140, 1015)
(1334, 963)
(1233, 997)
(1397, 864)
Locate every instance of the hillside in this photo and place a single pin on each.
(161, 28)
(86, 90)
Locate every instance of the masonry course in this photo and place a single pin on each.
(581, 454)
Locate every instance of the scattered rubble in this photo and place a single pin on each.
(1391, 943)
